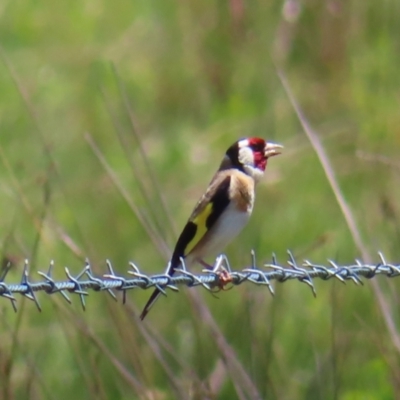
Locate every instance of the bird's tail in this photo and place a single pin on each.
(172, 266)
(153, 298)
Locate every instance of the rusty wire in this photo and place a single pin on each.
(86, 280)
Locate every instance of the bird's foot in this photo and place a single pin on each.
(224, 278)
(224, 275)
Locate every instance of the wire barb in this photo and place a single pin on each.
(212, 279)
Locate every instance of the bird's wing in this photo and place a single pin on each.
(204, 216)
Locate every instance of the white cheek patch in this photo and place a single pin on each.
(243, 143)
(246, 156)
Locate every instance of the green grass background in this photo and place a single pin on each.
(179, 82)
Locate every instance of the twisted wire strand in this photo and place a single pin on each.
(211, 279)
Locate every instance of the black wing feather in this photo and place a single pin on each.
(218, 195)
(220, 200)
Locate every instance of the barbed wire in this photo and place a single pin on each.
(216, 278)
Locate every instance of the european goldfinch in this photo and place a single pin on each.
(225, 207)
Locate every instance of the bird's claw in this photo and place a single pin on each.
(224, 278)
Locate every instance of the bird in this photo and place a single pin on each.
(225, 207)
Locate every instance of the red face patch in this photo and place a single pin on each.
(260, 161)
(257, 145)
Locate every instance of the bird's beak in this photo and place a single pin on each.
(272, 149)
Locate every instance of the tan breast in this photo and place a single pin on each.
(242, 191)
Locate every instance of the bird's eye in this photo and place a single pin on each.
(257, 144)
(257, 147)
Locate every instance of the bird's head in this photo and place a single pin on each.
(250, 155)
